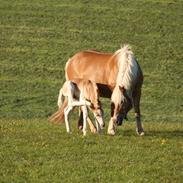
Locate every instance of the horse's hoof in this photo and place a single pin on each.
(111, 132)
(140, 133)
(94, 130)
(80, 127)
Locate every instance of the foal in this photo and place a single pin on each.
(81, 93)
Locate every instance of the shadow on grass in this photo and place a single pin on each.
(164, 133)
(153, 133)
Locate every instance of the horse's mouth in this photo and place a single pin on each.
(120, 119)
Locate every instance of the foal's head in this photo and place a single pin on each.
(99, 114)
(92, 94)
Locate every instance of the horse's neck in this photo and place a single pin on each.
(112, 71)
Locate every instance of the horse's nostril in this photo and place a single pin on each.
(103, 125)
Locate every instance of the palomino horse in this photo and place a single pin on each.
(119, 70)
(81, 93)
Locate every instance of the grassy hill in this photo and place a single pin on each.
(36, 39)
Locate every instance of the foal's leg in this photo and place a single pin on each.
(85, 115)
(91, 126)
(136, 103)
(66, 114)
(90, 123)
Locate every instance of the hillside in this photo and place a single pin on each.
(37, 38)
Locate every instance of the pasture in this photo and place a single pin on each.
(36, 39)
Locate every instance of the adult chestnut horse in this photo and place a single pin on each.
(119, 72)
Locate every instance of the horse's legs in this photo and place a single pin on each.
(98, 126)
(111, 127)
(90, 123)
(136, 103)
(85, 115)
(80, 121)
(92, 127)
(66, 114)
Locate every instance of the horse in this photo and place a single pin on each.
(111, 71)
(83, 93)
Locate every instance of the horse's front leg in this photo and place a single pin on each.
(66, 115)
(111, 127)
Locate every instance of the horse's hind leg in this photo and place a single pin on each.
(66, 114)
(136, 103)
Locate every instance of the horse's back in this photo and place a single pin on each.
(90, 65)
(87, 58)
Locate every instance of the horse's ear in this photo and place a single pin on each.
(122, 88)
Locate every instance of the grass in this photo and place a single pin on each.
(36, 39)
(36, 151)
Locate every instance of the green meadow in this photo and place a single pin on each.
(37, 38)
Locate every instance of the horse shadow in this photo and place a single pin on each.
(165, 133)
(153, 133)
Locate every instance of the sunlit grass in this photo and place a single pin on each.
(36, 151)
(37, 38)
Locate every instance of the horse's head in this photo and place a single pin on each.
(125, 107)
(120, 105)
(98, 113)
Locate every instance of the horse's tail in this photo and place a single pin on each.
(58, 117)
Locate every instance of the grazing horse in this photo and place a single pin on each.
(82, 93)
(123, 94)
(118, 72)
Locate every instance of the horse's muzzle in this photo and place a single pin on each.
(120, 119)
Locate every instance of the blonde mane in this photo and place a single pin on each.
(127, 74)
(128, 68)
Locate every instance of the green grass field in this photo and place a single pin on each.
(36, 39)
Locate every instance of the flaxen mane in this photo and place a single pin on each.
(127, 73)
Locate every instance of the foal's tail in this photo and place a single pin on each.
(58, 117)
